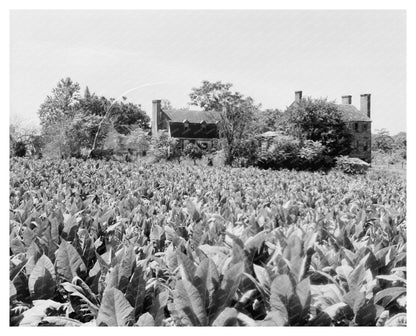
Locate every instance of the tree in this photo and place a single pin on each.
(267, 120)
(163, 147)
(56, 113)
(319, 120)
(125, 114)
(139, 141)
(236, 113)
(382, 141)
(60, 104)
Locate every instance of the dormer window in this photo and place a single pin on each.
(186, 124)
(203, 124)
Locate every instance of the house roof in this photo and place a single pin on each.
(179, 115)
(351, 113)
(348, 112)
(193, 131)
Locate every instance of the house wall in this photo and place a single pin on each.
(361, 143)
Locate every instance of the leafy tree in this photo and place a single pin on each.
(213, 96)
(382, 141)
(236, 113)
(319, 120)
(56, 113)
(166, 104)
(163, 147)
(126, 114)
(267, 120)
(139, 141)
(59, 106)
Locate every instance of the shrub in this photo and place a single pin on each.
(164, 147)
(102, 154)
(193, 152)
(282, 153)
(20, 149)
(351, 165)
(246, 153)
(312, 156)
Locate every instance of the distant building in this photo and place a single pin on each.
(187, 126)
(358, 122)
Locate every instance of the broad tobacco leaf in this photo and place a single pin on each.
(68, 262)
(228, 287)
(33, 316)
(135, 290)
(42, 279)
(368, 314)
(115, 310)
(146, 320)
(388, 295)
(189, 304)
(227, 318)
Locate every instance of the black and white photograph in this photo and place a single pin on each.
(207, 167)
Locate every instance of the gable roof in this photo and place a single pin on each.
(351, 113)
(193, 131)
(348, 112)
(179, 115)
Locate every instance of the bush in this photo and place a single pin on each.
(282, 153)
(19, 149)
(290, 153)
(351, 165)
(193, 151)
(246, 153)
(102, 154)
(162, 147)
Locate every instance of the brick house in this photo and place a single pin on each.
(187, 126)
(358, 122)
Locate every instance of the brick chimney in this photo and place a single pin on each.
(298, 96)
(346, 100)
(366, 104)
(156, 115)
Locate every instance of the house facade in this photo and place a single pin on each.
(357, 121)
(187, 126)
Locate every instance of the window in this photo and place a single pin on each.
(356, 127)
(364, 127)
(186, 124)
(366, 145)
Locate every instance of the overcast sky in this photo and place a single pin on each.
(266, 54)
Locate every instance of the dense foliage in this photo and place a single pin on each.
(319, 120)
(291, 153)
(108, 243)
(236, 114)
(72, 123)
(193, 151)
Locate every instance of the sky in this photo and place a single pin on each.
(266, 54)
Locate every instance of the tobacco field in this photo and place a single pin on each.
(97, 243)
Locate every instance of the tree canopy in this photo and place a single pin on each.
(236, 112)
(319, 120)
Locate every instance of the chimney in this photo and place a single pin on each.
(366, 104)
(346, 100)
(298, 96)
(156, 114)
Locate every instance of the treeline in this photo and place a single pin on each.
(75, 125)
(310, 135)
